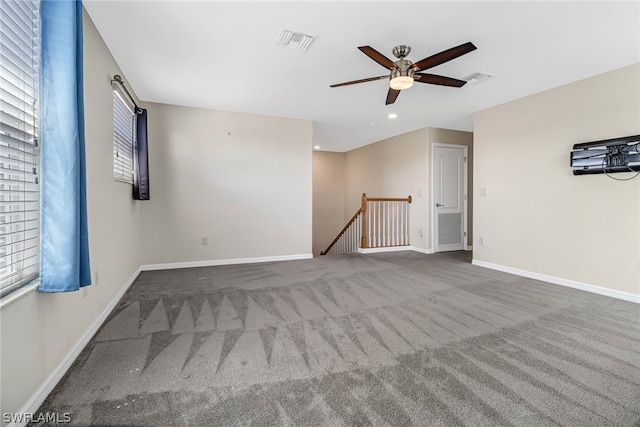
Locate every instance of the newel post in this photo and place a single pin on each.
(363, 208)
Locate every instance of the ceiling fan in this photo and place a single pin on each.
(404, 72)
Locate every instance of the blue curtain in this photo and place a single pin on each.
(64, 251)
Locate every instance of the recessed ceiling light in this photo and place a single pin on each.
(373, 124)
(316, 147)
(392, 115)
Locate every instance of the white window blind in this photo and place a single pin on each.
(19, 166)
(123, 138)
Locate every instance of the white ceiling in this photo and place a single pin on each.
(221, 55)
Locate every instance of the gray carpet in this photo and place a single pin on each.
(396, 339)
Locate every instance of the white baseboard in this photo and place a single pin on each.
(384, 249)
(47, 387)
(423, 251)
(626, 296)
(395, 249)
(215, 262)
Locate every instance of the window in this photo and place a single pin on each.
(123, 138)
(19, 166)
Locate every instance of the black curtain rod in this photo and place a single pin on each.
(118, 79)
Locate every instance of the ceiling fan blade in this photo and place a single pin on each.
(378, 57)
(435, 79)
(370, 79)
(392, 95)
(444, 56)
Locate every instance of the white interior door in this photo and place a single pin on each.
(449, 197)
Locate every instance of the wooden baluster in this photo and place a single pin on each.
(383, 223)
(380, 224)
(376, 223)
(359, 231)
(395, 223)
(346, 241)
(371, 222)
(363, 242)
(404, 224)
(405, 231)
(399, 224)
(373, 225)
(392, 224)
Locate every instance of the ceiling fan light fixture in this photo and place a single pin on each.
(401, 82)
(402, 77)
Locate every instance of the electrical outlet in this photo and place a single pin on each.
(85, 291)
(481, 241)
(420, 232)
(204, 240)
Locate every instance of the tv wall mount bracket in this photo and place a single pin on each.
(607, 156)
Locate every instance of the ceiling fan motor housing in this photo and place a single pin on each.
(401, 51)
(403, 68)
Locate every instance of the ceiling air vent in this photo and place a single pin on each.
(297, 41)
(476, 78)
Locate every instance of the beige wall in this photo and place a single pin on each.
(540, 218)
(241, 180)
(39, 330)
(395, 167)
(328, 198)
(398, 167)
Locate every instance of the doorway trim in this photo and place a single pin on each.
(432, 202)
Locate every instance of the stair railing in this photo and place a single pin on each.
(385, 222)
(348, 239)
(380, 222)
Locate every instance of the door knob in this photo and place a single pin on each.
(438, 205)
